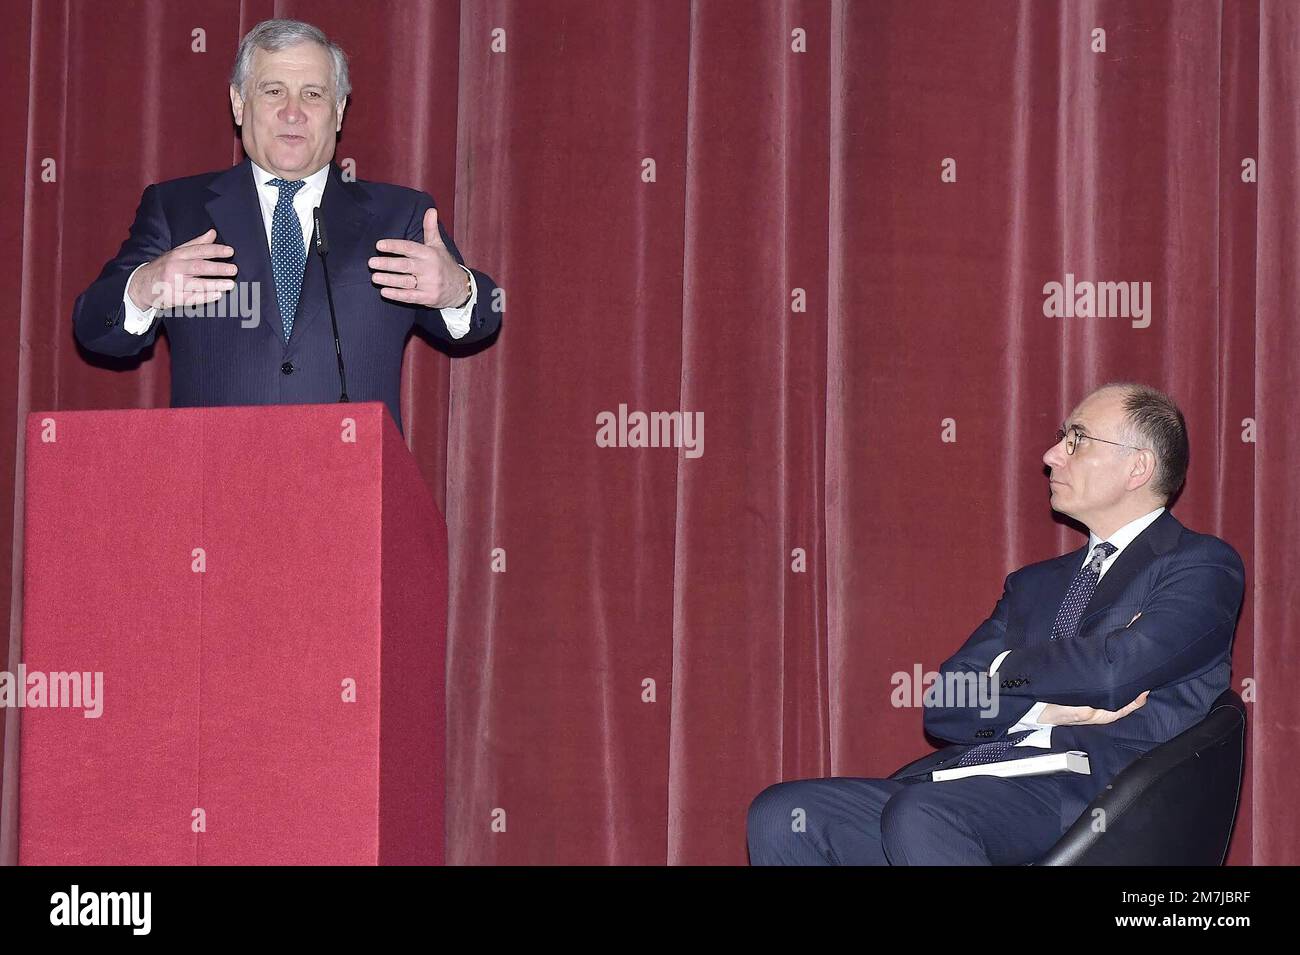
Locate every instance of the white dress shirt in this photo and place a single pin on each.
(138, 320)
(1042, 732)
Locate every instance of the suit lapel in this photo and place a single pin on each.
(346, 223)
(237, 215)
(1160, 536)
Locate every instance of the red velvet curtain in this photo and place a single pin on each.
(825, 226)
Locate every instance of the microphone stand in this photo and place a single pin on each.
(322, 249)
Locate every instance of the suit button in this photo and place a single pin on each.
(287, 368)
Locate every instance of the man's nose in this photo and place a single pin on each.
(292, 112)
(1054, 456)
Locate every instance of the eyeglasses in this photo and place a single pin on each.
(1074, 436)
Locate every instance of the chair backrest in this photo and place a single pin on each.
(1175, 805)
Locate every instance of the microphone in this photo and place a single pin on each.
(322, 249)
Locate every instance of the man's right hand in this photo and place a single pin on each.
(186, 271)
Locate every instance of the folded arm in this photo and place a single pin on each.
(959, 717)
(1185, 627)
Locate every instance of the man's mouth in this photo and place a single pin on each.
(292, 138)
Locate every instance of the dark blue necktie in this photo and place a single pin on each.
(1081, 590)
(991, 752)
(288, 252)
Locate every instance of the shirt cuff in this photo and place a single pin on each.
(1042, 732)
(457, 319)
(1030, 719)
(137, 321)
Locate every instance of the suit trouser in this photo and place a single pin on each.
(981, 820)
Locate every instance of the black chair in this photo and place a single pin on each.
(1174, 805)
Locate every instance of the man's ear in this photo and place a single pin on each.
(236, 105)
(1143, 470)
(338, 114)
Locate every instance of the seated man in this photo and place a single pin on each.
(1111, 649)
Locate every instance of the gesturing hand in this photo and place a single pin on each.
(1060, 715)
(420, 273)
(183, 275)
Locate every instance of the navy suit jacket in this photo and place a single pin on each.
(1188, 588)
(218, 361)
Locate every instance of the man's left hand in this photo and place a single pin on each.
(420, 273)
(1060, 715)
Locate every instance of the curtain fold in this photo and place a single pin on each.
(1277, 506)
(807, 239)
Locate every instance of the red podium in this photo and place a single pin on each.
(264, 591)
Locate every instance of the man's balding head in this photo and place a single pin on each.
(1130, 457)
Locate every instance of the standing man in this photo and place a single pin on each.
(1111, 649)
(236, 244)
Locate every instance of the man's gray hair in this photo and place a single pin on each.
(276, 35)
(1153, 420)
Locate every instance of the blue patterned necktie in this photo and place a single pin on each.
(1081, 590)
(288, 252)
(991, 752)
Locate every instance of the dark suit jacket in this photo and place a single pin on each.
(216, 361)
(1188, 588)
